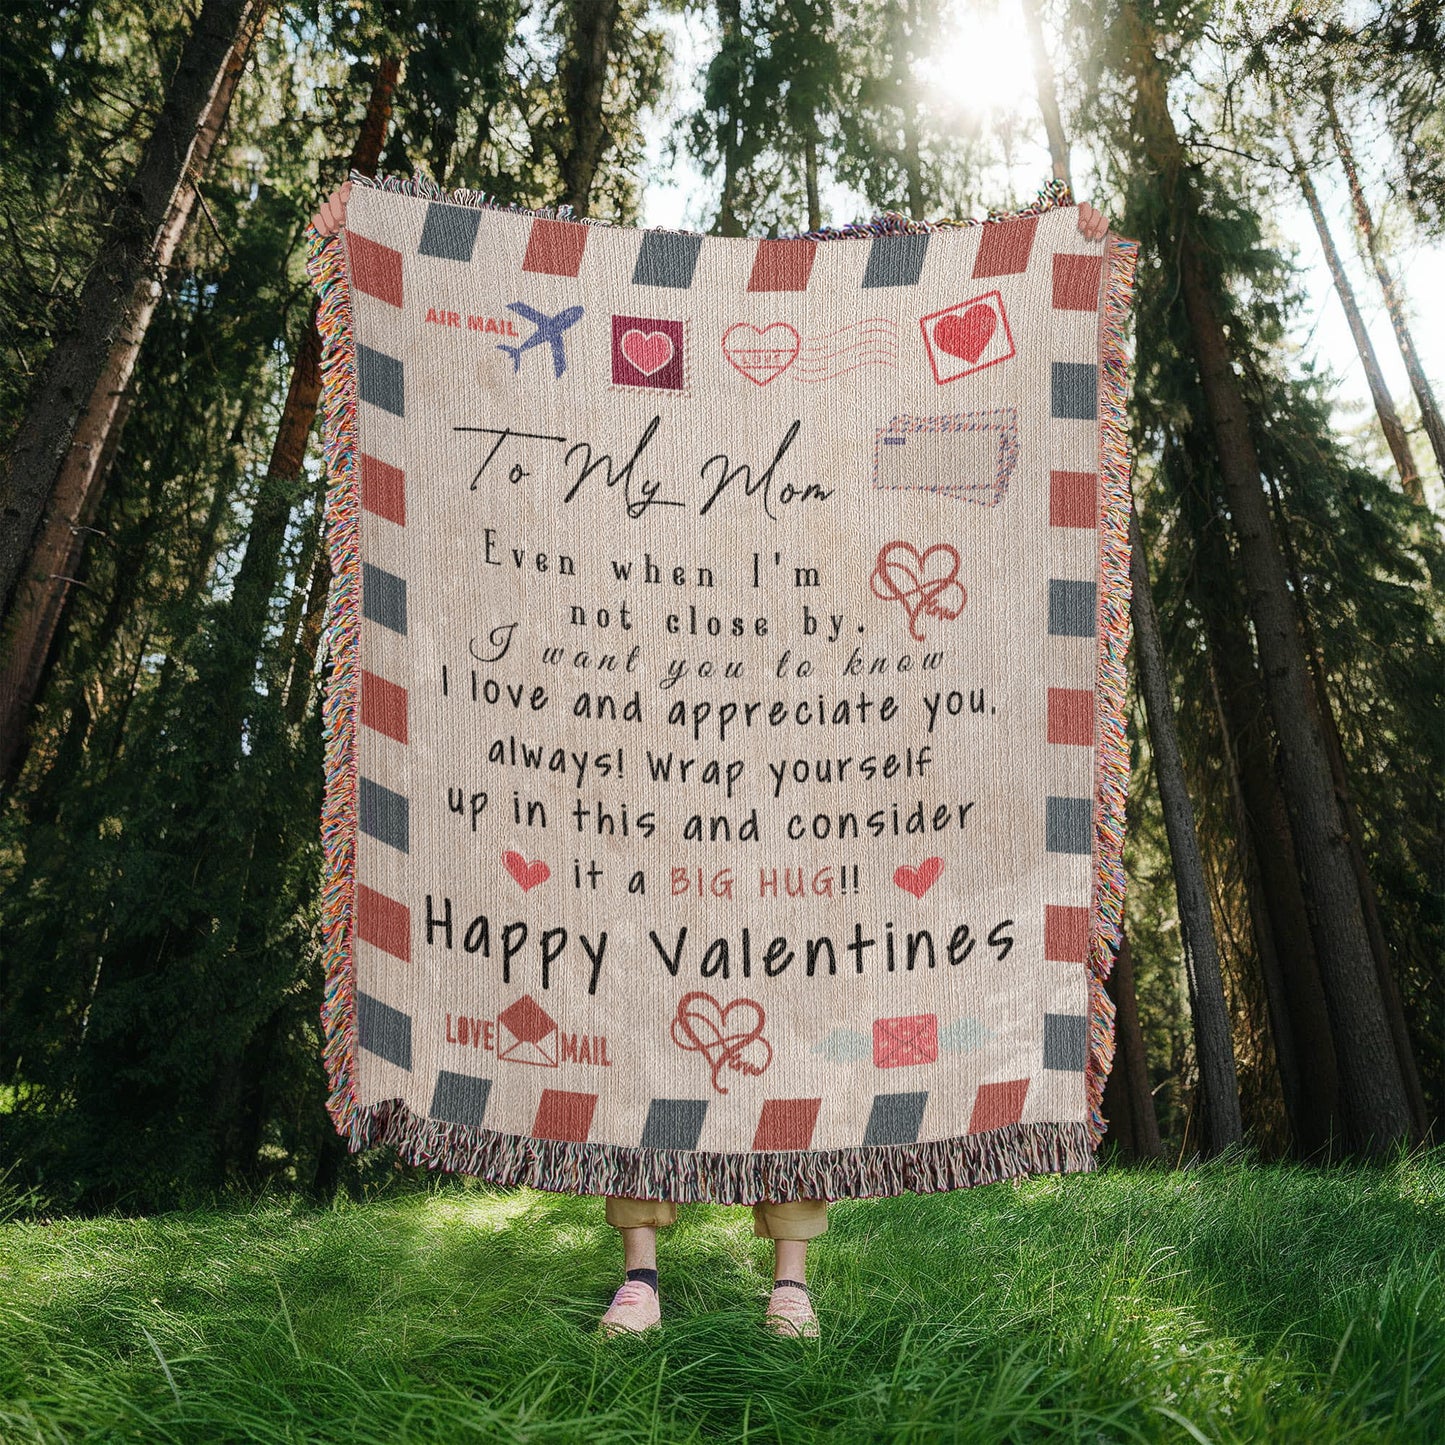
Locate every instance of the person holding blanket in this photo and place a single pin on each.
(790, 1224)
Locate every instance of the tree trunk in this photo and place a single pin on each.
(583, 76)
(1048, 93)
(1128, 1100)
(730, 19)
(1373, 1094)
(298, 683)
(1369, 900)
(810, 181)
(1390, 422)
(1213, 1041)
(75, 407)
(1299, 1019)
(1394, 302)
(256, 577)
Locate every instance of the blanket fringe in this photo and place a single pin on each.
(687, 1176)
(326, 266)
(1111, 764)
(1051, 197)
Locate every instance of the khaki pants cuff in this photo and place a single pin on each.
(625, 1213)
(790, 1219)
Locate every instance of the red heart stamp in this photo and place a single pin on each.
(648, 351)
(918, 881)
(926, 582)
(968, 335)
(528, 875)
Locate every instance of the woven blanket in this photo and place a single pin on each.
(724, 671)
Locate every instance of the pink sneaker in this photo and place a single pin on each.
(634, 1308)
(790, 1311)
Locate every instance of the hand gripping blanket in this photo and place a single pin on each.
(725, 749)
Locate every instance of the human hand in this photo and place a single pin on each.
(332, 215)
(1093, 225)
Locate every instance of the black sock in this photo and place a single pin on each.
(648, 1276)
(799, 1283)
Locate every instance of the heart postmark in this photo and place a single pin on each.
(761, 353)
(528, 875)
(918, 881)
(925, 583)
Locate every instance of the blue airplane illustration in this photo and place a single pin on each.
(549, 329)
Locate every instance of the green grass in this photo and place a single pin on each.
(1226, 1303)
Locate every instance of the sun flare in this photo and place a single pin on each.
(983, 64)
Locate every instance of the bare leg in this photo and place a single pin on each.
(790, 1259)
(639, 1247)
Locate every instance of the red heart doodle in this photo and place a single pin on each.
(648, 351)
(967, 335)
(918, 881)
(926, 583)
(701, 1025)
(761, 353)
(529, 875)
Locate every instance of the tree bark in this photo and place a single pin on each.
(1369, 900)
(1390, 423)
(810, 181)
(1394, 302)
(1213, 1040)
(51, 481)
(1373, 1096)
(1128, 1100)
(583, 76)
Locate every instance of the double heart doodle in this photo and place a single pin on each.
(703, 1025)
(764, 353)
(925, 583)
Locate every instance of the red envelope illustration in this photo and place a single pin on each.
(912, 1039)
(527, 1034)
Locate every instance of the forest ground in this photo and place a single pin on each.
(1229, 1302)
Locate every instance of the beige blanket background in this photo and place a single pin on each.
(725, 756)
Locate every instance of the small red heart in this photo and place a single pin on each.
(966, 335)
(918, 881)
(529, 875)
